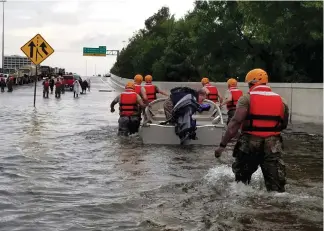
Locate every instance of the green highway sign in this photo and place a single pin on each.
(89, 51)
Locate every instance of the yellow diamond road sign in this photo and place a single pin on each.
(37, 49)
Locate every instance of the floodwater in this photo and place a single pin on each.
(62, 167)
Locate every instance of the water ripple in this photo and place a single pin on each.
(62, 167)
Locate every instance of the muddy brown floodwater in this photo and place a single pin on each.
(62, 167)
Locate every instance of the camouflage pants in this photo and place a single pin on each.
(45, 92)
(128, 125)
(57, 92)
(168, 106)
(251, 151)
(230, 115)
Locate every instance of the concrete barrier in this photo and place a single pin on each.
(305, 100)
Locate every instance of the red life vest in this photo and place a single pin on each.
(58, 84)
(138, 89)
(266, 113)
(236, 94)
(150, 92)
(128, 103)
(213, 93)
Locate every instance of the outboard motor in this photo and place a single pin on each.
(185, 105)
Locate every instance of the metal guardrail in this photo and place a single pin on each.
(217, 111)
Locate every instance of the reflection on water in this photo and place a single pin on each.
(63, 168)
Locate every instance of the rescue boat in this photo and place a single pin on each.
(209, 126)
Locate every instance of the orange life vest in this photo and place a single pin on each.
(128, 103)
(266, 113)
(150, 92)
(138, 89)
(236, 94)
(213, 93)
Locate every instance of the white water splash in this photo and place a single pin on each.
(223, 177)
(220, 175)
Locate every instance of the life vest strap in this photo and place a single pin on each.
(250, 118)
(133, 107)
(264, 117)
(232, 103)
(130, 109)
(127, 104)
(262, 129)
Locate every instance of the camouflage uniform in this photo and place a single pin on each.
(168, 107)
(251, 151)
(128, 125)
(230, 115)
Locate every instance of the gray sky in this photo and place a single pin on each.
(70, 25)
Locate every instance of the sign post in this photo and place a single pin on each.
(35, 88)
(37, 50)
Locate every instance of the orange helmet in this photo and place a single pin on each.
(138, 78)
(148, 78)
(130, 85)
(232, 82)
(204, 80)
(257, 76)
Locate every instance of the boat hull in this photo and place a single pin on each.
(210, 126)
(165, 134)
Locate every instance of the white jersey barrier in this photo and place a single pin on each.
(305, 100)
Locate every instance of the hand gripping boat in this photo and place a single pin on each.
(209, 124)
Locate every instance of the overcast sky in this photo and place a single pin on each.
(70, 25)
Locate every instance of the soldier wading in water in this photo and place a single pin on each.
(262, 115)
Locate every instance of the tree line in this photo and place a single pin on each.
(223, 39)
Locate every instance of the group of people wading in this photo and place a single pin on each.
(259, 116)
(49, 83)
(9, 82)
(133, 101)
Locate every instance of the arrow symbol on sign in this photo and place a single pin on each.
(31, 45)
(43, 46)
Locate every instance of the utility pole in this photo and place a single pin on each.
(3, 1)
(86, 67)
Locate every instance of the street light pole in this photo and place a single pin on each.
(86, 67)
(3, 1)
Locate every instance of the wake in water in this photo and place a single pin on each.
(222, 178)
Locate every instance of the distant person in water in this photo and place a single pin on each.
(76, 88)
(84, 85)
(46, 88)
(2, 84)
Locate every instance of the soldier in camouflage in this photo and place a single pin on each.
(260, 142)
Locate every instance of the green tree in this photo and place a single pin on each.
(222, 39)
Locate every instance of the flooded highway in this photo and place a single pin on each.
(62, 167)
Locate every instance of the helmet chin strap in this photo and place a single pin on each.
(251, 84)
(254, 84)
